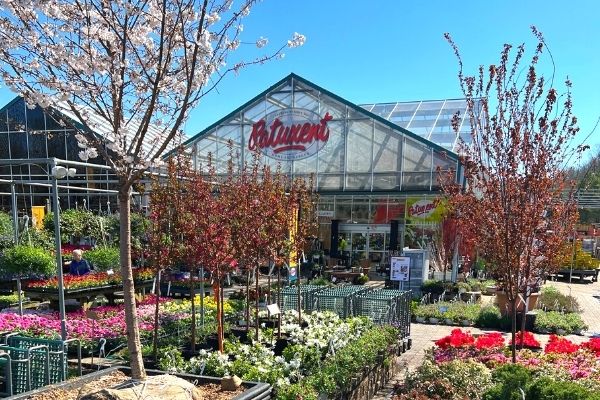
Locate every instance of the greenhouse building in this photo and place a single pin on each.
(375, 165)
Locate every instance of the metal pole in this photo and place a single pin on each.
(15, 216)
(57, 244)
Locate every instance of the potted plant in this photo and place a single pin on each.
(361, 279)
(489, 287)
(475, 285)
(26, 261)
(463, 287)
(420, 314)
(450, 315)
(434, 314)
(104, 258)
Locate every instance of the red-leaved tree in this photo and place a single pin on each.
(516, 199)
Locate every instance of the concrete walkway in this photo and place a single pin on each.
(424, 335)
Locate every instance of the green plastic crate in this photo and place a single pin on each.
(57, 355)
(339, 300)
(288, 297)
(29, 368)
(386, 306)
(5, 373)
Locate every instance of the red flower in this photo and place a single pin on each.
(490, 340)
(457, 338)
(526, 339)
(592, 345)
(558, 344)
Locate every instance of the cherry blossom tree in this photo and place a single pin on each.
(516, 199)
(126, 73)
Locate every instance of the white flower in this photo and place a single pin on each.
(212, 18)
(81, 140)
(92, 152)
(297, 40)
(262, 42)
(83, 155)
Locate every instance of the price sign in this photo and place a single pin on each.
(400, 269)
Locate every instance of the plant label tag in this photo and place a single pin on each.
(273, 309)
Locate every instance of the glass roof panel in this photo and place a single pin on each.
(431, 120)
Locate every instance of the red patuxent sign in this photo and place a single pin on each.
(290, 134)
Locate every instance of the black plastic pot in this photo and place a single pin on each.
(254, 390)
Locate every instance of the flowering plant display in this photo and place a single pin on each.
(526, 339)
(325, 352)
(108, 321)
(562, 360)
(492, 340)
(593, 345)
(66, 249)
(561, 345)
(457, 338)
(94, 279)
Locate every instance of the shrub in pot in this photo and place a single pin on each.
(553, 321)
(551, 299)
(489, 317)
(475, 285)
(433, 286)
(420, 313)
(104, 258)
(510, 380)
(463, 287)
(26, 261)
(575, 323)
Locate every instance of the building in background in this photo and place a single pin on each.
(376, 166)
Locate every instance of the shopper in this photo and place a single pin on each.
(79, 266)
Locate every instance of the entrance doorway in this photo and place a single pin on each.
(366, 245)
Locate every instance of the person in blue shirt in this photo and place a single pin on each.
(78, 265)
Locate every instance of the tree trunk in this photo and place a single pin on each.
(513, 348)
(279, 301)
(299, 292)
(217, 288)
(247, 300)
(156, 312)
(192, 297)
(133, 333)
(524, 316)
(257, 301)
(222, 320)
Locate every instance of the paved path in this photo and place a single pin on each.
(424, 335)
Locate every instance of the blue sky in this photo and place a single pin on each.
(393, 50)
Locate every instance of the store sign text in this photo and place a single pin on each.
(422, 208)
(290, 134)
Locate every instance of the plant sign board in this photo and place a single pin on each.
(400, 269)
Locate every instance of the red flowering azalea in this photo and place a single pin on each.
(592, 345)
(526, 339)
(457, 338)
(557, 344)
(492, 340)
